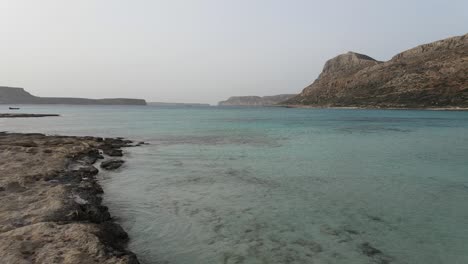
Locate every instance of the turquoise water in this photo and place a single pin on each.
(275, 185)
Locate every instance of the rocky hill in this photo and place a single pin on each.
(12, 95)
(256, 100)
(428, 76)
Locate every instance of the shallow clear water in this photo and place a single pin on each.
(275, 185)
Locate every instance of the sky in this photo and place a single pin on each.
(203, 51)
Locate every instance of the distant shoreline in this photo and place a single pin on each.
(15, 95)
(19, 115)
(375, 108)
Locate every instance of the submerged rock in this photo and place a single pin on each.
(375, 254)
(369, 250)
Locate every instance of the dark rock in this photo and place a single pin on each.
(113, 152)
(90, 157)
(114, 234)
(351, 231)
(141, 143)
(93, 213)
(112, 164)
(86, 171)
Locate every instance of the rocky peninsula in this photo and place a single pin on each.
(433, 75)
(52, 208)
(13, 95)
(15, 115)
(256, 100)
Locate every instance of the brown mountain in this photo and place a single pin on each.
(428, 76)
(12, 95)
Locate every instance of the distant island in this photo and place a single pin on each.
(256, 100)
(433, 75)
(13, 95)
(177, 104)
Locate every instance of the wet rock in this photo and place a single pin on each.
(92, 156)
(112, 164)
(375, 218)
(94, 213)
(113, 152)
(351, 231)
(85, 171)
(375, 254)
(113, 234)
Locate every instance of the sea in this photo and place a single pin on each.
(280, 185)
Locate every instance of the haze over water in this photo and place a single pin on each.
(275, 185)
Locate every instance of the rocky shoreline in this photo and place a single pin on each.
(52, 208)
(376, 108)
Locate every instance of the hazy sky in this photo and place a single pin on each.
(203, 50)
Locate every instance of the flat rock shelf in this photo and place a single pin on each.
(51, 209)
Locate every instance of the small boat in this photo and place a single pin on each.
(13, 108)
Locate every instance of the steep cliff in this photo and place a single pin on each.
(12, 95)
(428, 76)
(255, 100)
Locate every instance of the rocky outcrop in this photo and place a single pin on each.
(25, 115)
(433, 75)
(52, 209)
(13, 95)
(255, 100)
